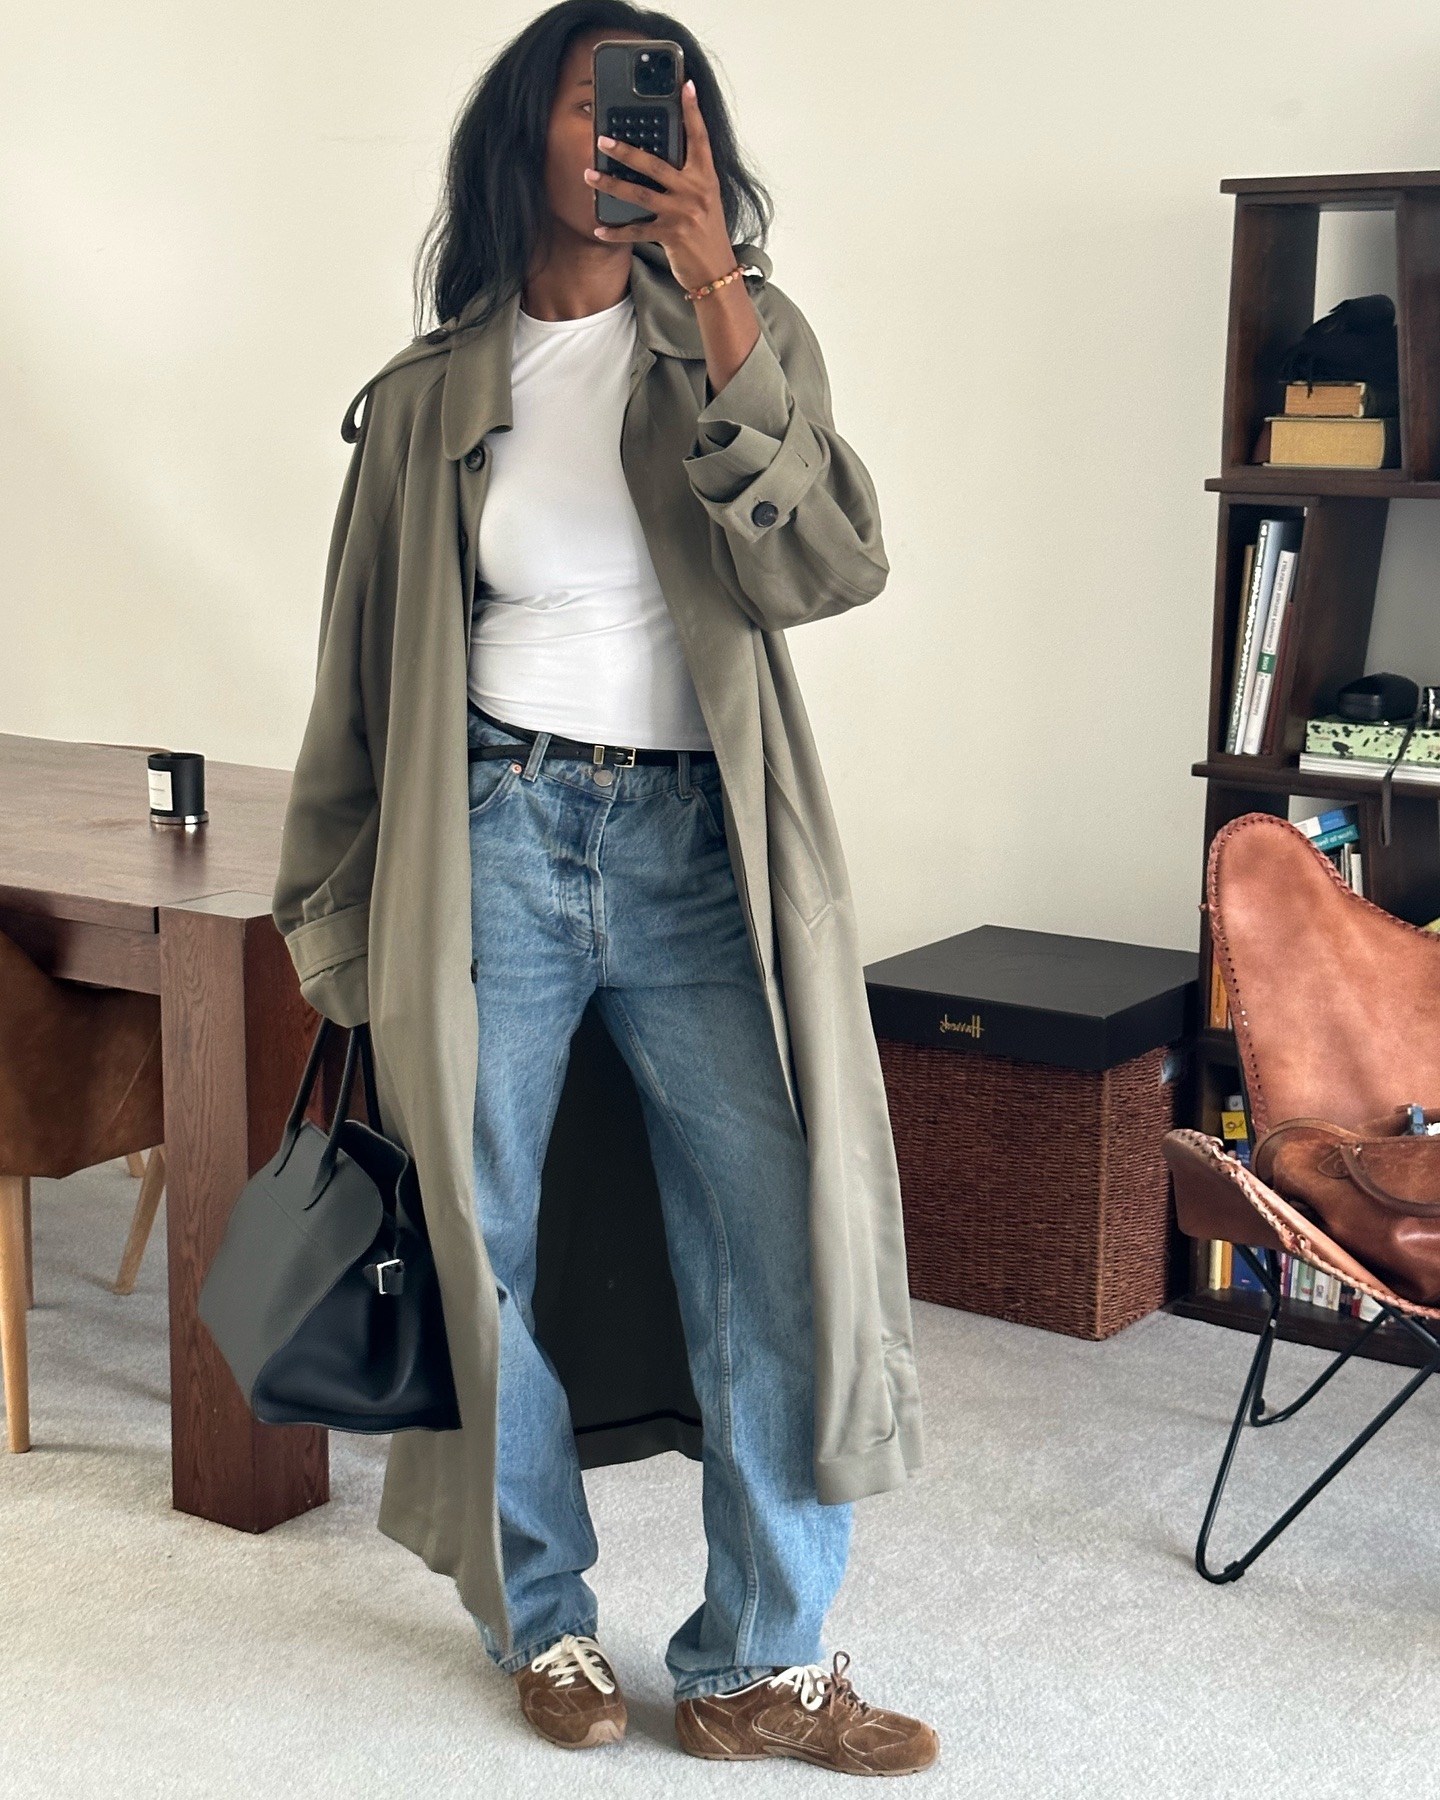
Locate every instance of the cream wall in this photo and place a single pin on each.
(1002, 220)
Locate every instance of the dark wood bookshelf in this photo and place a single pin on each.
(1344, 514)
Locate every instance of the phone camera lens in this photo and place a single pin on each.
(654, 73)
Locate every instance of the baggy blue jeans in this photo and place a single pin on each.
(624, 891)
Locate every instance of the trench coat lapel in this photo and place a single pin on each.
(477, 382)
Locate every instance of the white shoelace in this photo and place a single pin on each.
(811, 1683)
(572, 1657)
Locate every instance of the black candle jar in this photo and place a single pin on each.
(177, 787)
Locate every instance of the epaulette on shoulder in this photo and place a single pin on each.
(431, 343)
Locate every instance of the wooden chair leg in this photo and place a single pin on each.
(151, 1188)
(135, 1163)
(29, 1245)
(13, 1350)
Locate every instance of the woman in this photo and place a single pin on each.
(580, 515)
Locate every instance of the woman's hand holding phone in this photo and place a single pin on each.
(689, 220)
(689, 225)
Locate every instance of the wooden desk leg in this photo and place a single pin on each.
(236, 1032)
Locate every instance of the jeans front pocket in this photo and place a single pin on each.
(706, 794)
(489, 779)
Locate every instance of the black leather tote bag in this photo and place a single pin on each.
(323, 1298)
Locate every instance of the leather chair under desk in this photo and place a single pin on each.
(80, 1084)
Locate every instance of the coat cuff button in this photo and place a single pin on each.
(764, 513)
(474, 459)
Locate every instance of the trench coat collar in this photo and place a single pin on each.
(477, 378)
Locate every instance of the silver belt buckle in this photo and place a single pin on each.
(387, 1277)
(620, 759)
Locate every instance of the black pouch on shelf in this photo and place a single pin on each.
(1355, 341)
(323, 1297)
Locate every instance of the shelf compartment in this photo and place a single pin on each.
(1299, 1324)
(1331, 608)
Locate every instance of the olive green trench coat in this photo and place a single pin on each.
(758, 518)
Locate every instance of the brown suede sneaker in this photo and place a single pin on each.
(569, 1694)
(811, 1713)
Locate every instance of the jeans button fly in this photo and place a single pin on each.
(603, 777)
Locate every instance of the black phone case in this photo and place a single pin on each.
(652, 122)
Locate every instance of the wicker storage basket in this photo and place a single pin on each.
(1033, 1192)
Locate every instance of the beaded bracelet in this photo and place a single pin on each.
(700, 293)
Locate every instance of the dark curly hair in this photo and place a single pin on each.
(483, 237)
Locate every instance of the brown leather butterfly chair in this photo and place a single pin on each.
(79, 1084)
(1336, 1009)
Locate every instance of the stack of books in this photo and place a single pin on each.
(1337, 833)
(1267, 581)
(1335, 746)
(1332, 425)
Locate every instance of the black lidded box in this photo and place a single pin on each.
(1036, 996)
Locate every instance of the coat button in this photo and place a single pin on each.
(475, 459)
(764, 513)
(438, 335)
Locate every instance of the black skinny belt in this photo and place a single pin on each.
(598, 755)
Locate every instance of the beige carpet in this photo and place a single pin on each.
(1031, 1593)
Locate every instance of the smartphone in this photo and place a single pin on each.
(637, 100)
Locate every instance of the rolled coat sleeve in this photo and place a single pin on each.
(794, 519)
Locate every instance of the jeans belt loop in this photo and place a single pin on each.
(537, 755)
(682, 767)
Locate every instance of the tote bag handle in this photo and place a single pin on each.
(357, 1050)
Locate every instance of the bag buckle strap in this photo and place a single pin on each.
(386, 1277)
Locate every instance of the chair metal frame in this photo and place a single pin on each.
(1252, 1411)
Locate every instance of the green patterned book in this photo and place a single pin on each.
(1349, 739)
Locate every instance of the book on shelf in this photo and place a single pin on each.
(1273, 539)
(1329, 830)
(1235, 1129)
(1349, 739)
(1336, 834)
(1218, 1017)
(1361, 768)
(1243, 1279)
(1259, 710)
(1313, 443)
(1339, 400)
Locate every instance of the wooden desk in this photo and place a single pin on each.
(95, 893)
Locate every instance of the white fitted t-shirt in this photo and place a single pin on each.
(570, 631)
